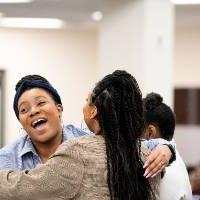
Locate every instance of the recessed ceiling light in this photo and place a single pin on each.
(97, 16)
(31, 23)
(185, 2)
(15, 1)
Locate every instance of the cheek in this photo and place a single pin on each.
(25, 125)
(23, 121)
(54, 117)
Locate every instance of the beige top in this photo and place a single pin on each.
(76, 171)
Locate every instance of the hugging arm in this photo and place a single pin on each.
(59, 178)
(163, 153)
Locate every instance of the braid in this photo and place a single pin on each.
(119, 104)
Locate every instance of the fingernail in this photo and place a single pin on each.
(153, 176)
(148, 175)
(145, 165)
(146, 172)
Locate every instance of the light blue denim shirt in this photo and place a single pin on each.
(22, 155)
(152, 143)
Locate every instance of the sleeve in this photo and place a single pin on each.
(153, 143)
(77, 131)
(59, 178)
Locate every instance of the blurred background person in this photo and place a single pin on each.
(195, 182)
(160, 123)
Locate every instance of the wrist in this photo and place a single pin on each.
(173, 151)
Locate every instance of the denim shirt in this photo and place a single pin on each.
(21, 155)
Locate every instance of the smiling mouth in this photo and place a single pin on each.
(38, 123)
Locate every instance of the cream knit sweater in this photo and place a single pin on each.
(76, 171)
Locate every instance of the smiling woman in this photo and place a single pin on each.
(39, 109)
(40, 116)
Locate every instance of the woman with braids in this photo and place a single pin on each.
(116, 104)
(106, 165)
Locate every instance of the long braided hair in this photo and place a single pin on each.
(119, 103)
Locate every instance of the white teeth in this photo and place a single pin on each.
(35, 122)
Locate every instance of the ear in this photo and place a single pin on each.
(93, 113)
(60, 109)
(151, 131)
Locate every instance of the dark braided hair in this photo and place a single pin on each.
(119, 103)
(155, 111)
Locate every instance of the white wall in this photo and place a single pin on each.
(121, 38)
(69, 59)
(159, 48)
(187, 56)
(187, 139)
(137, 35)
(187, 74)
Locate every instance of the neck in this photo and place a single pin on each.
(97, 129)
(45, 150)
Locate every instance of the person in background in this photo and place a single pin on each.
(160, 123)
(105, 165)
(38, 107)
(195, 182)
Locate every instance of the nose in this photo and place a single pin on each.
(34, 111)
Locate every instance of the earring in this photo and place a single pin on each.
(83, 125)
(62, 125)
(22, 131)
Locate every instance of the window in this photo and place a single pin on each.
(187, 106)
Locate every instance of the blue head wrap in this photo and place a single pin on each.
(30, 84)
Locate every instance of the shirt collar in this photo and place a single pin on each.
(28, 147)
(64, 134)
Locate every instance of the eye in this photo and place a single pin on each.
(41, 103)
(23, 110)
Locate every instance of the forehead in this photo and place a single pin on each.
(32, 94)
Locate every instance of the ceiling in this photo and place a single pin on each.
(76, 12)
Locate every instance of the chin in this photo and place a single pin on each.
(43, 139)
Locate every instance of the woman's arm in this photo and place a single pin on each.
(163, 153)
(59, 178)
